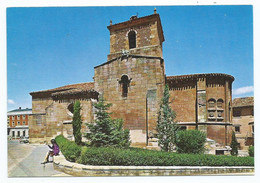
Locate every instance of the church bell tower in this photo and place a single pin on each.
(137, 36)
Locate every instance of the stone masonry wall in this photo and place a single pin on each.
(242, 121)
(146, 35)
(56, 120)
(147, 76)
(183, 97)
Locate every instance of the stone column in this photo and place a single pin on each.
(201, 104)
(151, 114)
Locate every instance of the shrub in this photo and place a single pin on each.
(234, 145)
(76, 123)
(251, 151)
(69, 149)
(166, 126)
(107, 131)
(140, 157)
(190, 141)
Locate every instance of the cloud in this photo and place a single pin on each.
(243, 90)
(10, 101)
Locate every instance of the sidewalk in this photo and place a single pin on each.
(31, 165)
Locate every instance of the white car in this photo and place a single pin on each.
(24, 139)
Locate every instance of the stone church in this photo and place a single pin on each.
(133, 80)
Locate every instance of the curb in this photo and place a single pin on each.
(75, 169)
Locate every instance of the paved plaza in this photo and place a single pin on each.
(24, 160)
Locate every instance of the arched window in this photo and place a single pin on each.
(125, 84)
(132, 39)
(211, 109)
(220, 103)
(71, 109)
(212, 103)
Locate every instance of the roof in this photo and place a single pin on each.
(20, 111)
(82, 86)
(195, 76)
(243, 102)
(87, 89)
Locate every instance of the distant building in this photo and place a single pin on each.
(18, 122)
(243, 121)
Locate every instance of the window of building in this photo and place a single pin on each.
(13, 123)
(18, 122)
(13, 117)
(23, 116)
(13, 133)
(237, 129)
(212, 103)
(18, 117)
(23, 122)
(71, 108)
(18, 133)
(212, 109)
(132, 39)
(252, 112)
(24, 133)
(125, 84)
(220, 103)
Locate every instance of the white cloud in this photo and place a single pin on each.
(243, 90)
(10, 101)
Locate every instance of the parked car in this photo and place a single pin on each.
(24, 139)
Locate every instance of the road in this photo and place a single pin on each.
(24, 160)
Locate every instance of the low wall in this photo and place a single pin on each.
(61, 164)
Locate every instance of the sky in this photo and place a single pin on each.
(52, 47)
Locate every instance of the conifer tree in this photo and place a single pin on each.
(76, 123)
(107, 131)
(234, 145)
(166, 126)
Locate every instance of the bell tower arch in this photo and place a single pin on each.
(138, 36)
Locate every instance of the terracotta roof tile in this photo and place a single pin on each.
(193, 76)
(79, 86)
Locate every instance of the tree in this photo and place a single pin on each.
(107, 131)
(76, 123)
(234, 145)
(166, 127)
(190, 141)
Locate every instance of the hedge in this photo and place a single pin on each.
(69, 149)
(141, 157)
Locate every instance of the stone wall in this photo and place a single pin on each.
(190, 100)
(183, 97)
(147, 34)
(139, 108)
(56, 119)
(242, 122)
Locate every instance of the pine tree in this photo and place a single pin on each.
(107, 131)
(76, 123)
(234, 145)
(166, 127)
